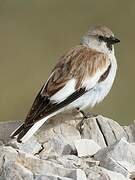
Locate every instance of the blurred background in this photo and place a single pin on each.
(33, 34)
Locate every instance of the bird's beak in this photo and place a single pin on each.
(114, 40)
(109, 40)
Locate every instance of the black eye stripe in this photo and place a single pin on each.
(110, 41)
(105, 39)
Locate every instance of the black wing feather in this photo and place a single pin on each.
(46, 108)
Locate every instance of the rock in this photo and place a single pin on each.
(99, 173)
(7, 155)
(103, 150)
(77, 175)
(111, 130)
(130, 131)
(103, 131)
(57, 145)
(92, 131)
(86, 147)
(1, 143)
(6, 128)
(45, 177)
(17, 172)
(19, 165)
(114, 176)
(45, 167)
(118, 157)
(32, 146)
(72, 161)
(59, 126)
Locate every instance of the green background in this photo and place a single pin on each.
(34, 33)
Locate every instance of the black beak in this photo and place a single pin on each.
(113, 40)
(109, 40)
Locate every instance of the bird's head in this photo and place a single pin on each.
(101, 39)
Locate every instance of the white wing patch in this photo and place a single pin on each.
(69, 88)
(66, 91)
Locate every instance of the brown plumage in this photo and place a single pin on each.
(82, 77)
(79, 63)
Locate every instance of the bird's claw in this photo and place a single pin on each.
(86, 115)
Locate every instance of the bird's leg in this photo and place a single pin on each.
(86, 115)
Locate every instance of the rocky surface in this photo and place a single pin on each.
(102, 150)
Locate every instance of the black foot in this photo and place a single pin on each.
(86, 115)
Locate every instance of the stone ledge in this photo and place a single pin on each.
(59, 151)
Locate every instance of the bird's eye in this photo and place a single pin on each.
(101, 38)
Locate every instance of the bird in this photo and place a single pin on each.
(82, 77)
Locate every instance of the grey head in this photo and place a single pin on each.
(100, 38)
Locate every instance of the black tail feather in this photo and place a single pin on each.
(22, 133)
(18, 130)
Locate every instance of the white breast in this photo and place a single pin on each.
(104, 87)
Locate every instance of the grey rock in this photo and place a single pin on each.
(7, 155)
(57, 145)
(111, 130)
(32, 146)
(59, 151)
(1, 143)
(130, 131)
(74, 175)
(72, 161)
(45, 177)
(61, 125)
(16, 171)
(103, 131)
(99, 173)
(78, 174)
(66, 131)
(20, 165)
(6, 128)
(118, 157)
(86, 147)
(91, 130)
(44, 167)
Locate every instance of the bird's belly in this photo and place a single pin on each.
(97, 94)
(92, 97)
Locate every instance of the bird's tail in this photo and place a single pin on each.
(24, 133)
(17, 131)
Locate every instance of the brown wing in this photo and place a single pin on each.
(79, 63)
